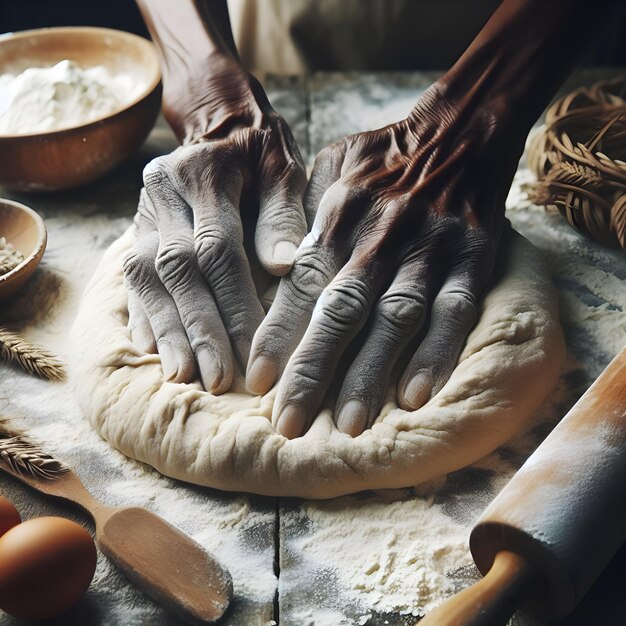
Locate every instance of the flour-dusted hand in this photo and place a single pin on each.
(402, 247)
(237, 177)
(408, 222)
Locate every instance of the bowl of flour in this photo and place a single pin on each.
(23, 239)
(74, 103)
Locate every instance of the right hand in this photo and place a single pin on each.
(191, 292)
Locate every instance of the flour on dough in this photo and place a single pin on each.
(509, 365)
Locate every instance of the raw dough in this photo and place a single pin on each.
(510, 363)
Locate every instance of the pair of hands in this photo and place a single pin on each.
(392, 241)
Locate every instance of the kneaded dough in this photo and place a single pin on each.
(511, 361)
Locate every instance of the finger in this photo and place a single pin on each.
(140, 273)
(339, 314)
(398, 316)
(218, 235)
(281, 225)
(453, 315)
(139, 324)
(326, 171)
(318, 260)
(289, 315)
(177, 268)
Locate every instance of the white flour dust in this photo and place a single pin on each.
(588, 277)
(387, 553)
(43, 99)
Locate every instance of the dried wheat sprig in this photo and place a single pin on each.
(31, 358)
(575, 174)
(25, 457)
(579, 160)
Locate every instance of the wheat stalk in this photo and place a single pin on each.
(33, 359)
(25, 457)
(578, 158)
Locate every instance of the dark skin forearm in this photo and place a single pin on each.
(408, 223)
(521, 57)
(206, 92)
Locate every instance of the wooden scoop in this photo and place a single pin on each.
(171, 568)
(553, 529)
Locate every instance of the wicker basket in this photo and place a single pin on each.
(579, 158)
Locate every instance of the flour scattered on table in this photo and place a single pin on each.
(589, 277)
(43, 99)
(386, 555)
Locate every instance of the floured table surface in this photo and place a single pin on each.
(373, 558)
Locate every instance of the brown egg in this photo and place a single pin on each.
(9, 516)
(46, 564)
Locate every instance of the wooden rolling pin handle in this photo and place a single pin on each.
(545, 538)
(492, 600)
(564, 510)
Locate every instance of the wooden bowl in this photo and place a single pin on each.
(62, 159)
(25, 231)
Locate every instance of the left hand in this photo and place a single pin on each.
(219, 218)
(403, 244)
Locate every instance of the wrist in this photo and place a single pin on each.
(215, 97)
(204, 84)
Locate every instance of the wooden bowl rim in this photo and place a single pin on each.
(42, 239)
(145, 93)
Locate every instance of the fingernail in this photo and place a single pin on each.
(211, 371)
(262, 374)
(284, 253)
(291, 421)
(417, 390)
(352, 418)
(168, 360)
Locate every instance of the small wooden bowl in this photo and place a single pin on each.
(67, 158)
(25, 231)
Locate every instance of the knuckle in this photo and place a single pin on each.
(303, 378)
(311, 272)
(344, 194)
(458, 302)
(341, 208)
(327, 157)
(280, 219)
(174, 263)
(344, 303)
(333, 151)
(402, 310)
(213, 248)
(188, 161)
(156, 171)
(138, 268)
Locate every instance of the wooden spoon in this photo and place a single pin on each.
(171, 568)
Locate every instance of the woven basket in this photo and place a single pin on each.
(579, 158)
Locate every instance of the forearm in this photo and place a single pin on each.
(205, 89)
(520, 58)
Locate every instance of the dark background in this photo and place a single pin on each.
(15, 15)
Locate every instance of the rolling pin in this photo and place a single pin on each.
(556, 525)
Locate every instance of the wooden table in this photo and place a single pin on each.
(260, 539)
